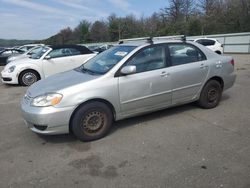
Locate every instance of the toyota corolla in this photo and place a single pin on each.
(127, 80)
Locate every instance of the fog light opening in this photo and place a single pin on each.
(41, 127)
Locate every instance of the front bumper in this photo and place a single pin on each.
(46, 120)
(9, 78)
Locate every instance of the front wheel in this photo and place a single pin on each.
(28, 77)
(92, 121)
(210, 95)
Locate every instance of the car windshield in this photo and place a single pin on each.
(40, 53)
(34, 50)
(105, 61)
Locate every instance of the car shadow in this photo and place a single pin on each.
(122, 124)
(158, 114)
(58, 139)
(151, 116)
(10, 85)
(225, 97)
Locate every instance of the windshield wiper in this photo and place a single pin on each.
(83, 69)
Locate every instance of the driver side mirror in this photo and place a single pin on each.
(47, 57)
(127, 70)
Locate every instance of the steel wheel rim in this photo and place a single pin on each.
(212, 95)
(93, 122)
(29, 78)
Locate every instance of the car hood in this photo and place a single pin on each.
(21, 61)
(59, 82)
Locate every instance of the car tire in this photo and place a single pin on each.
(28, 77)
(210, 95)
(92, 121)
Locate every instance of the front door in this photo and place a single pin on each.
(149, 88)
(59, 60)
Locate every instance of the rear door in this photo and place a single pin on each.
(149, 88)
(189, 69)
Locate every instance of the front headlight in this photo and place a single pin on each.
(49, 99)
(11, 69)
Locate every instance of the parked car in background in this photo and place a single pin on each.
(46, 62)
(99, 48)
(212, 44)
(27, 47)
(4, 54)
(27, 54)
(1, 49)
(125, 81)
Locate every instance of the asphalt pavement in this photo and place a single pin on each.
(185, 146)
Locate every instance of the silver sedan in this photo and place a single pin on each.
(127, 80)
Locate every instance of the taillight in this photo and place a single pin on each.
(232, 62)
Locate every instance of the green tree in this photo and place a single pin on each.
(81, 32)
(99, 32)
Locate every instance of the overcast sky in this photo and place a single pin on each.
(40, 19)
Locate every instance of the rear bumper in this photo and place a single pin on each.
(229, 81)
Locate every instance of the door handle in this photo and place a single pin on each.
(202, 66)
(164, 74)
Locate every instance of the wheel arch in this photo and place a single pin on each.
(218, 52)
(28, 69)
(106, 102)
(219, 79)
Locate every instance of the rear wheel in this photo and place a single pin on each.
(92, 121)
(210, 95)
(28, 77)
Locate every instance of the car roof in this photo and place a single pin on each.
(145, 43)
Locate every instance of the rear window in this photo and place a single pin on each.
(184, 53)
(206, 42)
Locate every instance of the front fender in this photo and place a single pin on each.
(31, 67)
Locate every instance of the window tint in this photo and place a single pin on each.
(60, 53)
(24, 48)
(74, 51)
(149, 59)
(35, 50)
(206, 42)
(39, 54)
(184, 53)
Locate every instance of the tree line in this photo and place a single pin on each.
(189, 17)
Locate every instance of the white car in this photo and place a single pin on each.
(48, 61)
(212, 44)
(27, 54)
(27, 47)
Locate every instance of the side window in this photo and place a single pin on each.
(148, 59)
(59, 53)
(74, 51)
(183, 53)
(206, 42)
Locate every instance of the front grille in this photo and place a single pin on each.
(7, 79)
(27, 99)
